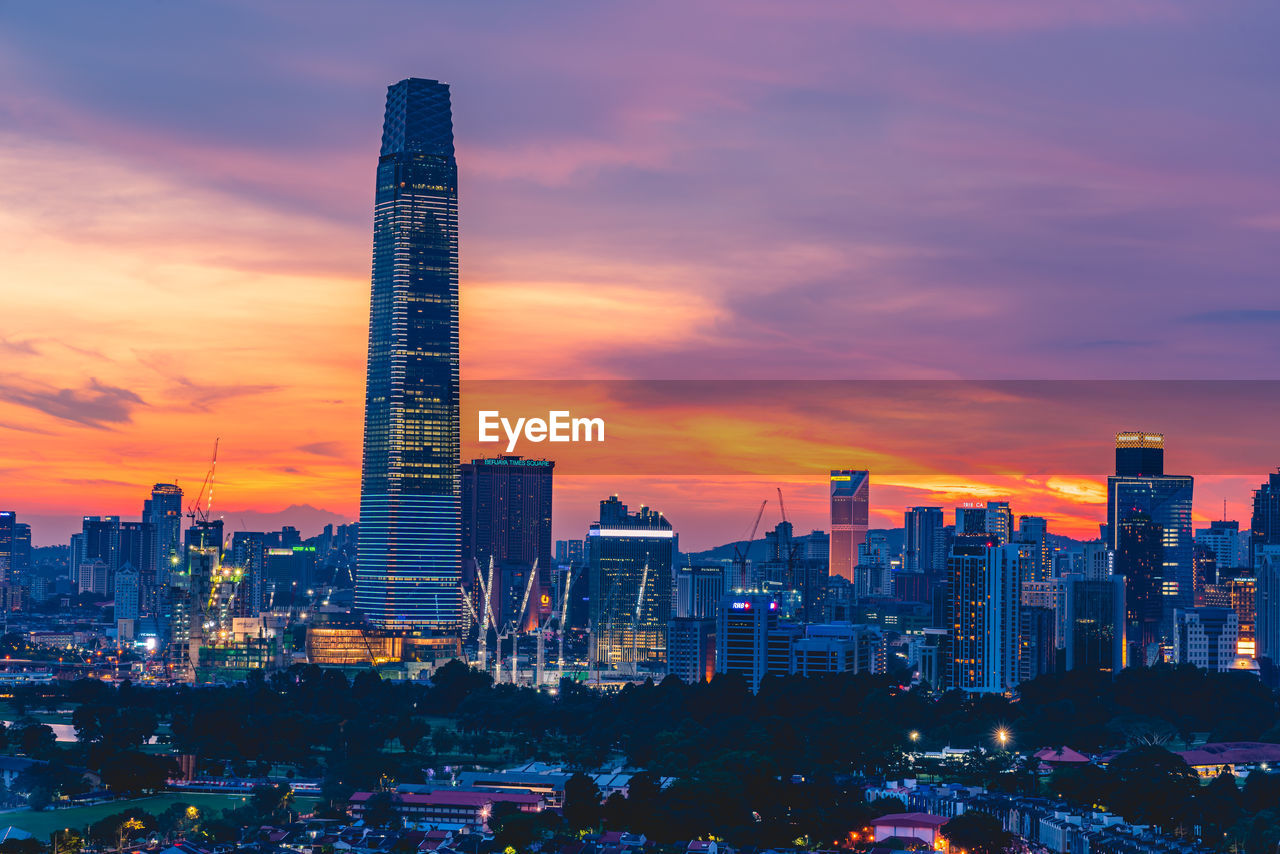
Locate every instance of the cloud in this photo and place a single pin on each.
(323, 449)
(1236, 317)
(203, 396)
(96, 405)
(19, 348)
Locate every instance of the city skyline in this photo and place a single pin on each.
(113, 385)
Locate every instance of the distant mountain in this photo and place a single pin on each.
(307, 519)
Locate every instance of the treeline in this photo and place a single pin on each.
(735, 754)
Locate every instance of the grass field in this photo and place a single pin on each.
(42, 824)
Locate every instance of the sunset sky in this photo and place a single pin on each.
(961, 193)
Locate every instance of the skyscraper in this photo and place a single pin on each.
(506, 517)
(1264, 524)
(850, 505)
(409, 561)
(1140, 486)
(925, 541)
(985, 611)
(629, 583)
(1095, 623)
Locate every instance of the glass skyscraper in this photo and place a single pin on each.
(1140, 487)
(410, 539)
(850, 503)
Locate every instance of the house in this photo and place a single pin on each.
(911, 825)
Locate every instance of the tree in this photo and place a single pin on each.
(37, 741)
(1150, 785)
(581, 802)
(977, 833)
(1085, 784)
(411, 731)
(380, 810)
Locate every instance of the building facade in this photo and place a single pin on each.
(629, 585)
(850, 509)
(409, 564)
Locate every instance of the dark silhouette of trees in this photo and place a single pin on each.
(977, 833)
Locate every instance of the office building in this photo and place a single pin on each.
(629, 585)
(1034, 531)
(1098, 560)
(100, 540)
(850, 511)
(699, 590)
(409, 564)
(993, 520)
(1222, 539)
(8, 531)
(128, 598)
(925, 546)
(1095, 624)
(1140, 487)
(744, 623)
(506, 519)
(163, 511)
(838, 648)
(1267, 603)
(1139, 558)
(1264, 524)
(93, 576)
(1206, 637)
(986, 588)
(691, 648)
(570, 552)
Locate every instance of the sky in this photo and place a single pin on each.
(752, 195)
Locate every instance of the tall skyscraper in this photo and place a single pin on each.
(1267, 603)
(1095, 623)
(506, 516)
(925, 542)
(629, 584)
(1205, 637)
(850, 507)
(1264, 525)
(1139, 557)
(409, 561)
(1140, 486)
(1034, 531)
(8, 531)
(986, 600)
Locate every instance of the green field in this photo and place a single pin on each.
(42, 824)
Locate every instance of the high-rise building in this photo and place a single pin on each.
(1222, 537)
(1205, 637)
(409, 563)
(1034, 531)
(1095, 623)
(8, 526)
(986, 593)
(506, 518)
(994, 520)
(570, 552)
(629, 585)
(925, 542)
(850, 510)
(744, 624)
(1264, 524)
(1140, 486)
(691, 648)
(699, 590)
(1139, 558)
(163, 510)
(1267, 603)
(128, 598)
(100, 540)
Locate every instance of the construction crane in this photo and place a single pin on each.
(193, 509)
(512, 629)
(564, 613)
(740, 552)
(486, 617)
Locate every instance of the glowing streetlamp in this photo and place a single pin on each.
(1002, 736)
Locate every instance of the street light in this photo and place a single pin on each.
(914, 735)
(1002, 736)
